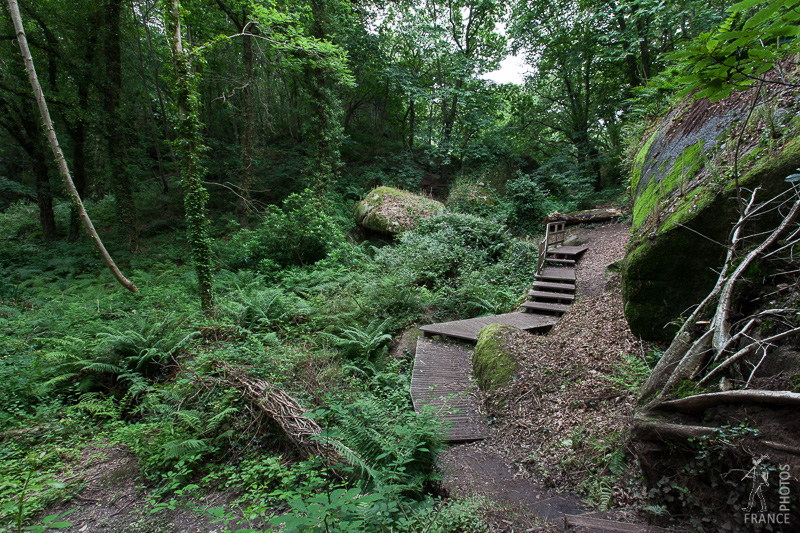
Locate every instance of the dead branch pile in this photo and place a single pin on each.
(287, 413)
(711, 346)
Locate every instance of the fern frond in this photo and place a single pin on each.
(180, 448)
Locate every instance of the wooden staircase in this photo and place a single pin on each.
(554, 289)
(441, 375)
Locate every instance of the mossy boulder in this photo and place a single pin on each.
(392, 211)
(493, 362)
(684, 206)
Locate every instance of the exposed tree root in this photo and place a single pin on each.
(696, 348)
(704, 401)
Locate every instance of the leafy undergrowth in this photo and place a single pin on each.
(113, 408)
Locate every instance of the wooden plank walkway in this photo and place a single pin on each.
(441, 381)
(468, 330)
(441, 375)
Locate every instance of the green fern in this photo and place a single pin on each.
(397, 452)
(617, 462)
(180, 448)
(366, 343)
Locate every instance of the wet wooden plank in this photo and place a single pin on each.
(567, 251)
(557, 274)
(440, 381)
(468, 329)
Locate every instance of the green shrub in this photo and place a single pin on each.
(441, 248)
(530, 201)
(301, 232)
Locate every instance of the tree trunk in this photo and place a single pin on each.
(44, 197)
(159, 95)
(51, 136)
(192, 170)
(590, 216)
(151, 119)
(411, 124)
(123, 190)
(326, 128)
(27, 136)
(243, 200)
(79, 143)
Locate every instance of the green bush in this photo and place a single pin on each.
(444, 247)
(300, 232)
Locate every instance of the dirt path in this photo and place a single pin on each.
(560, 409)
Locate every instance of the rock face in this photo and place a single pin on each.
(493, 364)
(392, 211)
(684, 196)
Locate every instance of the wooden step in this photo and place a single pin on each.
(550, 286)
(548, 295)
(568, 251)
(559, 260)
(541, 307)
(468, 330)
(557, 274)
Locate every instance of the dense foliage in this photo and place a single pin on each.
(277, 117)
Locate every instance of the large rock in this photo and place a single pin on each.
(684, 202)
(493, 363)
(392, 211)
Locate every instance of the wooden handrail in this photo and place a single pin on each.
(554, 234)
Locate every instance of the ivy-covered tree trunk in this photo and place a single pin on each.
(325, 125)
(190, 148)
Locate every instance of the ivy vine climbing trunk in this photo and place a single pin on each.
(19, 30)
(325, 123)
(190, 147)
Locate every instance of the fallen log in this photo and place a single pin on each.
(712, 399)
(589, 216)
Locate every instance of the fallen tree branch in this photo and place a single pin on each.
(287, 412)
(583, 217)
(711, 399)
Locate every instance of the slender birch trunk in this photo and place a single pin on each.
(13, 9)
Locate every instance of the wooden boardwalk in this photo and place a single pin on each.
(441, 381)
(441, 376)
(468, 330)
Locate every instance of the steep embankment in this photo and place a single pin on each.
(683, 185)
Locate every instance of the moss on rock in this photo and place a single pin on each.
(392, 211)
(684, 207)
(493, 363)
